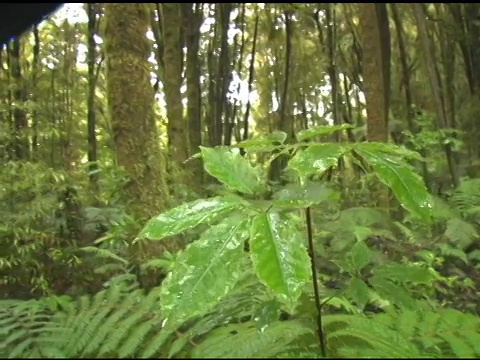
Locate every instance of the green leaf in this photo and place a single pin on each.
(103, 253)
(234, 170)
(448, 250)
(394, 293)
(187, 216)
(358, 292)
(407, 186)
(360, 255)
(279, 257)
(461, 232)
(390, 149)
(264, 143)
(205, 272)
(302, 196)
(322, 130)
(317, 158)
(267, 314)
(405, 273)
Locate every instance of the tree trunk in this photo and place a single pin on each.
(21, 148)
(131, 104)
(192, 21)
(435, 85)
(375, 39)
(172, 57)
(91, 115)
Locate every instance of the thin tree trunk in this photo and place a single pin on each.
(19, 96)
(435, 85)
(192, 21)
(91, 114)
(172, 57)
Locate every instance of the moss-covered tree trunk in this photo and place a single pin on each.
(375, 39)
(131, 104)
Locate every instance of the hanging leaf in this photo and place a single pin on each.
(234, 170)
(205, 272)
(322, 130)
(187, 216)
(317, 158)
(407, 186)
(279, 257)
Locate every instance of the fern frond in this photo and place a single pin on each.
(246, 341)
(23, 328)
(442, 333)
(466, 196)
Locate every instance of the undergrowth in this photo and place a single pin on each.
(280, 272)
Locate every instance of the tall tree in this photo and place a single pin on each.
(173, 58)
(20, 124)
(91, 117)
(131, 104)
(192, 15)
(375, 39)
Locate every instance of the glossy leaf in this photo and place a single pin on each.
(407, 186)
(322, 130)
(279, 257)
(267, 314)
(317, 158)
(205, 272)
(187, 216)
(302, 196)
(234, 170)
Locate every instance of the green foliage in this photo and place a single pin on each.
(114, 322)
(226, 292)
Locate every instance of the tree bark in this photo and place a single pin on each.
(131, 103)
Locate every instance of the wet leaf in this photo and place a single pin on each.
(267, 314)
(407, 186)
(322, 130)
(234, 170)
(279, 257)
(205, 272)
(187, 216)
(317, 158)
